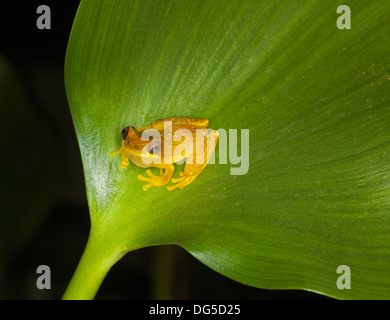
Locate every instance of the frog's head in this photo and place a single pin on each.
(131, 135)
(134, 145)
(132, 141)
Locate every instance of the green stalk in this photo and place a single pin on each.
(94, 264)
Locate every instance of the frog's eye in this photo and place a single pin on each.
(125, 132)
(154, 147)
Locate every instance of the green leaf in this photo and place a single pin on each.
(315, 100)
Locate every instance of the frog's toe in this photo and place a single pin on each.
(175, 180)
(123, 164)
(150, 174)
(179, 185)
(170, 188)
(146, 186)
(142, 178)
(181, 182)
(113, 154)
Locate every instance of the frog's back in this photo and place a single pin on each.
(191, 122)
(181, 122)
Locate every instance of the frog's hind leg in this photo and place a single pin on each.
(156, 181)
(191, 171)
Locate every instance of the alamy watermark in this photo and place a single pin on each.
(344, 21)
(44, 280)
(44, 20)
(344, 280)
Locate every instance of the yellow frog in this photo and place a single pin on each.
(161, 150)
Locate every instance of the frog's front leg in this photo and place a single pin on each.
(156, 181)
(124, 155)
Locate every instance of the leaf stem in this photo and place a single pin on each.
(94, 264)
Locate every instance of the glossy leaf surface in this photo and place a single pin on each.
(315, 100)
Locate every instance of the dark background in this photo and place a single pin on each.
(44, 216)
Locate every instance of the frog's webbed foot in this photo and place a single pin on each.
(153, 180)
(182, 182)
(156, 181)
(189, 175)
